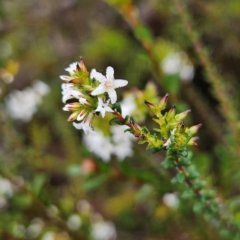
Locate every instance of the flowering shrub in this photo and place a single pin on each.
(171, 134)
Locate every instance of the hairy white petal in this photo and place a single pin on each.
(120, 83)
(112, 95)
(99, 90)
(98, 76)
(110, 73)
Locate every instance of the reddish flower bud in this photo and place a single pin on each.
(82, 65)
(163, 102)
(149, 104)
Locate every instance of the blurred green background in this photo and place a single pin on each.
(51, 185)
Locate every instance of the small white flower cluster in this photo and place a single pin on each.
(6, 192)
(168, 142)
(171, 200)
(103, 230)
(119, 143)
(82, 90)
(35, 228)
(21, 105)
(178, 63)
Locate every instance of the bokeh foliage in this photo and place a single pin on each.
(45, 159)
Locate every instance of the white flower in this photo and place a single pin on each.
(69, 92)
(74, 222)
(187, 73)
(48, 236)
(41, 87)
(103, 231)
(168, 142)
(21, 105)
(103, 107)
(107, 84)
(122, 142)
(72, 68)
(128, 105)
(178, 63)
(6, 188)
(35, 228)
(85, 124)
(99, 145)
(171, 200)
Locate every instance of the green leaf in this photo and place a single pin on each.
(118, 107)
(143, 33)
(145, 129)
(183, 153)
(38, 182)
(74, 170)
(184, 161)
(179, 178)
(193, 173)
(115, 120)
(129, 130)
(94, 182)
(188, 193)
(126, 119)
(198, 184)
(208, 195)
(168, 162)
(154, 150)
(198, 206)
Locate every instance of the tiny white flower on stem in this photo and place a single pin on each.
(85, 125)
(72, 68)
(107, 84)
(168, 142)
(103, 107)
(70, 92)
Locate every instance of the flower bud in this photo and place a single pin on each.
(82, 115)
(171, 112)
(68, 79)
(163, 102)
(73, 116)
(181, 127)
(181, 116)
(72, 106)
(192, 141)
(149, 104)
(82, 65)
(192, 130)
(135, 126)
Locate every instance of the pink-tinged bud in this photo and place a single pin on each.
(73, 106)
(82, 65)
(163, 102)
(149, 104)
(181, 116)
(192, 141)
(73, 116)
(69, 79)
(171, 112)
(192, 130)
(82, 115)
(66, 78)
